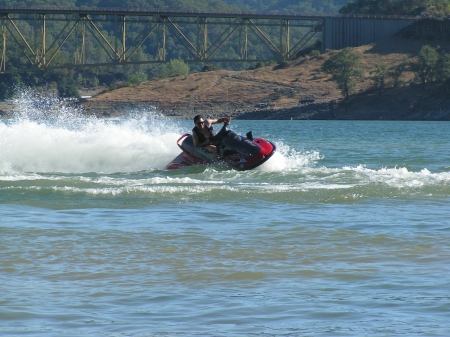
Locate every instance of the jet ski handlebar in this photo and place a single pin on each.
(217, 138)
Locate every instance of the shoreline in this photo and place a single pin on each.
(360, 107)
(355, 109)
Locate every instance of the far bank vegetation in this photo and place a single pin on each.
(431, 65)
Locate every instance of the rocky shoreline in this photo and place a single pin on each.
(409, 104)
(310, 111)
(391, 106)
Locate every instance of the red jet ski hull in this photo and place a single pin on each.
(262, 150)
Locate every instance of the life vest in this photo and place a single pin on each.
(201, 136)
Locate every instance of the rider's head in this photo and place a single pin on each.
(199, 121)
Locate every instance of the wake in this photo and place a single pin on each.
(48, 134)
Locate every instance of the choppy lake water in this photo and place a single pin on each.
(345, 231)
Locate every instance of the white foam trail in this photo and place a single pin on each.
(94, 146)
(287, 159)
(401, 177)
(46, 141)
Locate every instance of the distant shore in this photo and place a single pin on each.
(318, 111)
(358, 108)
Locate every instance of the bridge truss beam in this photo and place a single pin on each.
(111, 37)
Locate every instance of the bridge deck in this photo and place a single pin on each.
(153, 12)
(200, 36)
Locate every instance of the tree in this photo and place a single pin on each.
(444, 71)
(66, 85)
(397, 72)
(8, 82)
(174, 68)
(344, 67)
(380, 76)
(137, 78)
(208, 67)
(425, 66)
(367, 7)
(432, 8)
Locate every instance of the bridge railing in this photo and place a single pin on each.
(77, 37)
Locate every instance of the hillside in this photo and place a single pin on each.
(69, 79)
(277, 92)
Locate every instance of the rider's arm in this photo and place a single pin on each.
(219, 120)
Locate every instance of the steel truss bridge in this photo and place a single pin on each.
(120, 35)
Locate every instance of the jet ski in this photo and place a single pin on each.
(236, 151)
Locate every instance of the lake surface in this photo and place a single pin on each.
(345, 231)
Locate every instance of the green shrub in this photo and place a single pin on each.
(208, 67)
(137, 78)
(174, 68)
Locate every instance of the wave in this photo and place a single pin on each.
(47, 134)
(48, 149)
(348, 183)
(85, 146)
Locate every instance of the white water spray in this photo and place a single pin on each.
(287, 159)
(48, 134)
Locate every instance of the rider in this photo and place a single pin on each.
(203, 131)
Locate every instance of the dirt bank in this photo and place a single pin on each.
(298, 90)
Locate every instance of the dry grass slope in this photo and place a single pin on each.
(244, 94)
